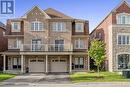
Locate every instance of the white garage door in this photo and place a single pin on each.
(59, 65)
(37, 65)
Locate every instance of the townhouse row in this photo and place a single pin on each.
(50, 41)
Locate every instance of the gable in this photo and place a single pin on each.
(123, 7)
(36, 12)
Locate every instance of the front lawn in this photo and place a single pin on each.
(92, 77)
(4, 76)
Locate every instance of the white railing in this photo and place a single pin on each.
(46, 47)
(13, 47)
(33, 47)
(59, 47)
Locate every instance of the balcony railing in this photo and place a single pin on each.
(33, 47)
(46, 47)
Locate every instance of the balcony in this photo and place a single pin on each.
(43, 48)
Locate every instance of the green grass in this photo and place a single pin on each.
(92, 77)
(4, 76)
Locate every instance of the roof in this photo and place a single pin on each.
(25, 15)
(49, 13)
(2, 25)
(123, 2)
(54, 13)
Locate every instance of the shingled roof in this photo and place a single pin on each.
(2, 25)
(56, 14)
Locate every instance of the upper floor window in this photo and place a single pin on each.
(123, 18)
(124, 39)
(59, 45)
(79, 44)
(36, 45)
(99, 36)
(37, 26)
(17, 43)
(3, 32)
(59, 26)
(15, 26)
(79, 27)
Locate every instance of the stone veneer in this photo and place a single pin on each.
(118, 49)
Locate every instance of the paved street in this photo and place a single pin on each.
(54, 80)
(73, 85)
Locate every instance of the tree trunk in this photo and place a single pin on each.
(98, 71)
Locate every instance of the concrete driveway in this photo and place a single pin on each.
(54, 80)
(38, 78)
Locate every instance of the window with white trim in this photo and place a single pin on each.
(123, 18)
(17, 43)
(16, 63)
(123, 39)
(123, 61)
(79, 44)
(37, 26)
(59, 26)
(79, 27)
(15, 26)
(79, 63)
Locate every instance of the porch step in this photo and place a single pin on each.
(12, 72)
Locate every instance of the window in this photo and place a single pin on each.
(3, 32)
(123, 61)
(17, 43)
(36, 45)
(40, 60)
(79, 63)
(32, 60)
(15, 26)
(100, 35)
(79, 27)
(59, 45)
(16, 63)
(123, 18)
(124, 39)
(79, 44)
(59, 26)
(37, 26)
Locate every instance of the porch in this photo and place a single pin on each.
(44, 63)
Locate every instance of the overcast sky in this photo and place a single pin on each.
(92, 10)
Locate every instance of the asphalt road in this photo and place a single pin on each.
(119, 84)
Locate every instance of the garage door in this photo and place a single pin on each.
(37, 65)
(59, 65)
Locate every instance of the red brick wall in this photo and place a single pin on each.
(8, 27)
(109, 20)
(121, 9)
(3, 45)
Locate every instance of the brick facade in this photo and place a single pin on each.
(110, 29)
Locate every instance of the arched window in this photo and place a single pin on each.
(123, 18)
(123, 61)
(36, 26)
